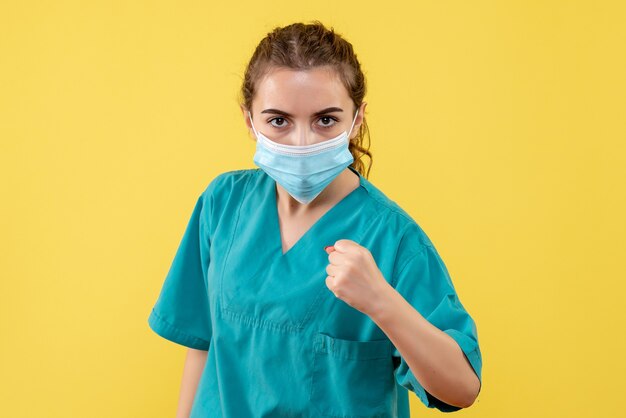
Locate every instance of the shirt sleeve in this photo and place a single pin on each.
(181, 313)
(423, 280)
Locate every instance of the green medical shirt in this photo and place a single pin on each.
(280, 343)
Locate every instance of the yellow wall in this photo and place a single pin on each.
(498, 125)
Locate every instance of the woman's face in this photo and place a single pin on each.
(302, 107)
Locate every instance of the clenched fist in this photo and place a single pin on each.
(354, 277)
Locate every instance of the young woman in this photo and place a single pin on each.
(300, 289)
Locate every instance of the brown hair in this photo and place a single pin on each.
(302, 46)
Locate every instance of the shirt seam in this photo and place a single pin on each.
(230, 244)
(422, 248)
(190, 337)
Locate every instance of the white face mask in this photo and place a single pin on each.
(303, 170)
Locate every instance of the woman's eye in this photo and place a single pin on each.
(279, 125)
(328, 121)
(325, 122)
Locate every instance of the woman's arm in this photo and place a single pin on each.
(434, 357)
(194, 364)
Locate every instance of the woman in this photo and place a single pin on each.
(299, 288)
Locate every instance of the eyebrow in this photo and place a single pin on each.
(281, 112)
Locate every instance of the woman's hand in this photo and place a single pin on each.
(354, 277)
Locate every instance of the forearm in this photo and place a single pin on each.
(433, 356)
(192, 371)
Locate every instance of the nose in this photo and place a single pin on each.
(304, 136)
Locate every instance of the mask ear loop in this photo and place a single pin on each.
(252, 123)
(354, 120)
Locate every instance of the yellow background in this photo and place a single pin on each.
(498, 125)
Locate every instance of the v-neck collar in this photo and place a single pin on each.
(318, 228)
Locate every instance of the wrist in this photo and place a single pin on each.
(384, 304)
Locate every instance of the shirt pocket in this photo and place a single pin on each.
(352, 379)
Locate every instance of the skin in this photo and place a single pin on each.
(194, 365)
(353, 276)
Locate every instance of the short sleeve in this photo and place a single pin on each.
(423, 280)
(181, 313)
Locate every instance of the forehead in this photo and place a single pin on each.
(301, 91)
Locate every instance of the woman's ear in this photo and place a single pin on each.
(244, 112)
